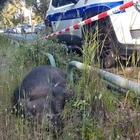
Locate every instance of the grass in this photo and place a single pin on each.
(94, 113)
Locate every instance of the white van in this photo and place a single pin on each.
(121, 31)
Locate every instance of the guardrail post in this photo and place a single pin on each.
(51, 58)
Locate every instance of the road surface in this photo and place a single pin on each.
(27, 37)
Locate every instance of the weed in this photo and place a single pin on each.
(94, 113)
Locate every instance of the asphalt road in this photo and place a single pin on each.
(27, 37)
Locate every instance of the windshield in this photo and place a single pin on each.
(58, 3)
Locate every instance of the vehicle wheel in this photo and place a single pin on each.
(107, 44)
(104, 34)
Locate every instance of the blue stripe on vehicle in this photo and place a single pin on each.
(78, 13)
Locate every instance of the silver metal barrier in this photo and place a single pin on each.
(107, 76)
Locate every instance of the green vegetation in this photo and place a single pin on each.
(12, 12)
(94, 113)
(40, 10)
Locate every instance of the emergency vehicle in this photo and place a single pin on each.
(118, 34)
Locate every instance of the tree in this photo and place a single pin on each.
(39, 9)
(7, 15)
(12, 13)
(2, 3)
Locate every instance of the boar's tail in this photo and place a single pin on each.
(17, 95)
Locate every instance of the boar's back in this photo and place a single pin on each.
(41, 80)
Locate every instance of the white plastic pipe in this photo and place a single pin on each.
(112, 78)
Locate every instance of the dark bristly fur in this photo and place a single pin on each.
(44, 85)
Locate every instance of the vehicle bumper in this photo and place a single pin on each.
(127, 27)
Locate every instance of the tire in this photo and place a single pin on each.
(105, 36)
(107, 48)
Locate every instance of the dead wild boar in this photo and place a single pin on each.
(43, 82)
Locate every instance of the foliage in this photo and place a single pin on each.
(8, 18)
(2, 3)
(40, 9)
(94, 112)
(14, 7)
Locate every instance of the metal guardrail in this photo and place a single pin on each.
(51, 58)
(107, 76)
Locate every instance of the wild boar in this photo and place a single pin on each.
(43, 82)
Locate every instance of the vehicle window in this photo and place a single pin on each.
(58, 3)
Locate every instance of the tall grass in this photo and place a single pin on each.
(94, 112)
